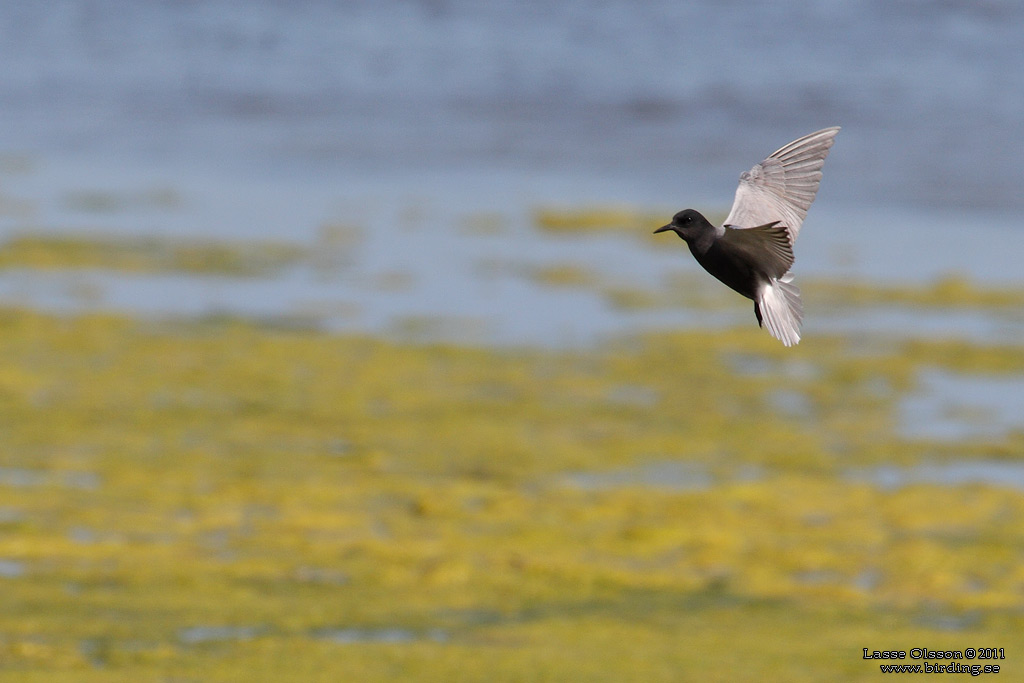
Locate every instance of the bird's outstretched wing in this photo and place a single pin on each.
(782, 187)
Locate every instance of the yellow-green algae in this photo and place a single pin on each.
(689, 289)
(147, 254)
(613, 218)
(483, 223)
(948, 291)
(562, 275)
(103, 201)
(270, 487)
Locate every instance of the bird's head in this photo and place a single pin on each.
(688, 224)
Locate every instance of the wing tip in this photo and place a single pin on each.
(808, 147)
(829, 132)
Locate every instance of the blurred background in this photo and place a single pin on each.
(271, 121)
(461, 194)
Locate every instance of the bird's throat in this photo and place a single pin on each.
(700, 244)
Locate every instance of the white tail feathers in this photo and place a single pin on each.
(781, 309)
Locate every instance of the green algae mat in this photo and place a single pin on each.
(221, 500)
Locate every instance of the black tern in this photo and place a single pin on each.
(752, 251)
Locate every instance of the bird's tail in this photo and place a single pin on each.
(778, 307)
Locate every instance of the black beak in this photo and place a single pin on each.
(663, 228)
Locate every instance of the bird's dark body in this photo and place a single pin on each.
(737, 259)
(744, 260)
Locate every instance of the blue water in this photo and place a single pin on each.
(404, 122)
(668, 99)
(949, 406)
(997, 473)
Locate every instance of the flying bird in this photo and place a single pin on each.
(752, 251)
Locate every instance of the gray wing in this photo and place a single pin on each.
(782, 187)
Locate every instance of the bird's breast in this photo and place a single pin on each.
(732, 267)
